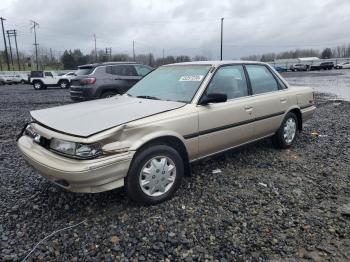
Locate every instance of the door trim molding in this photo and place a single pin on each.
(220, 128)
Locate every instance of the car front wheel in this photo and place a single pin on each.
(155, 175)
(287, 132)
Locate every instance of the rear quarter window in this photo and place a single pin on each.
(261, 79)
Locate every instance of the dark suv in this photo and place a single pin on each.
(105, 79)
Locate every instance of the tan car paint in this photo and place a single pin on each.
(188, 124)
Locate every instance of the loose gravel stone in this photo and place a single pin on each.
(265, 204)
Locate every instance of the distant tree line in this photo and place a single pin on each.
(72, 59)
(341, 51)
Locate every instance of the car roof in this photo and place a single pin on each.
(107, 63)
(217, 63)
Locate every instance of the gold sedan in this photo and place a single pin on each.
(146, 139)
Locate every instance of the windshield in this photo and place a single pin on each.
(174, 83)
(83, 71)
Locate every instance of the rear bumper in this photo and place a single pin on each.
(307, 112)
(82, 93)
(87, 176)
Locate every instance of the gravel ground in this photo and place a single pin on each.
(265, 204)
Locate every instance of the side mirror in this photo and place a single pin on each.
(213, 98)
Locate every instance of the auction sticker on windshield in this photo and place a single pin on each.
(191, 78)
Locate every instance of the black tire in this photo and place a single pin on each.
(37, 85)
(23, 82)
(108, 94)
(279, 139)
(133, 186)
(64, 84)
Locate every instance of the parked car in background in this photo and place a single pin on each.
(21, 78)
(179, 113)
(322, 66)
(344, 65)
(14, 78)
(44, 79)
(10, 79)
(2, 80)
(281, 69)
(327, 65)
(299, 67)
(69, 75)
(104, 80)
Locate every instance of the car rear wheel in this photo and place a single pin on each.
(108, 94)
(286, 134)
(64, 84)
(38, 85)
(155, 175)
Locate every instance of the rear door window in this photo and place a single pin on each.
(261, 79)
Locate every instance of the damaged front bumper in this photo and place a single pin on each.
(88, 176)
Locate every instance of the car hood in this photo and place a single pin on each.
(88, 118)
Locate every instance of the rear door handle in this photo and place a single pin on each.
(248, 109)
(283, 100)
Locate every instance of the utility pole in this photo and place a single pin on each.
(19, 65)
(222, 31)
(35, 24)
(11, 33)
(109, 53)
(8, 37)
(95, 48)
(3, 34)
(51, 57)
(133, 49)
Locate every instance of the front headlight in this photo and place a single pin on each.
(78, 150)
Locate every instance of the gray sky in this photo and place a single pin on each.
(188, 27)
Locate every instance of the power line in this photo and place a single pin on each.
(3, 33)
(34, 25)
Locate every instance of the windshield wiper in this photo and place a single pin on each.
(149, 97)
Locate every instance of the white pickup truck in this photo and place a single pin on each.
(44, 79)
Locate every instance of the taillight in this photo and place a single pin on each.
(88, 81)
